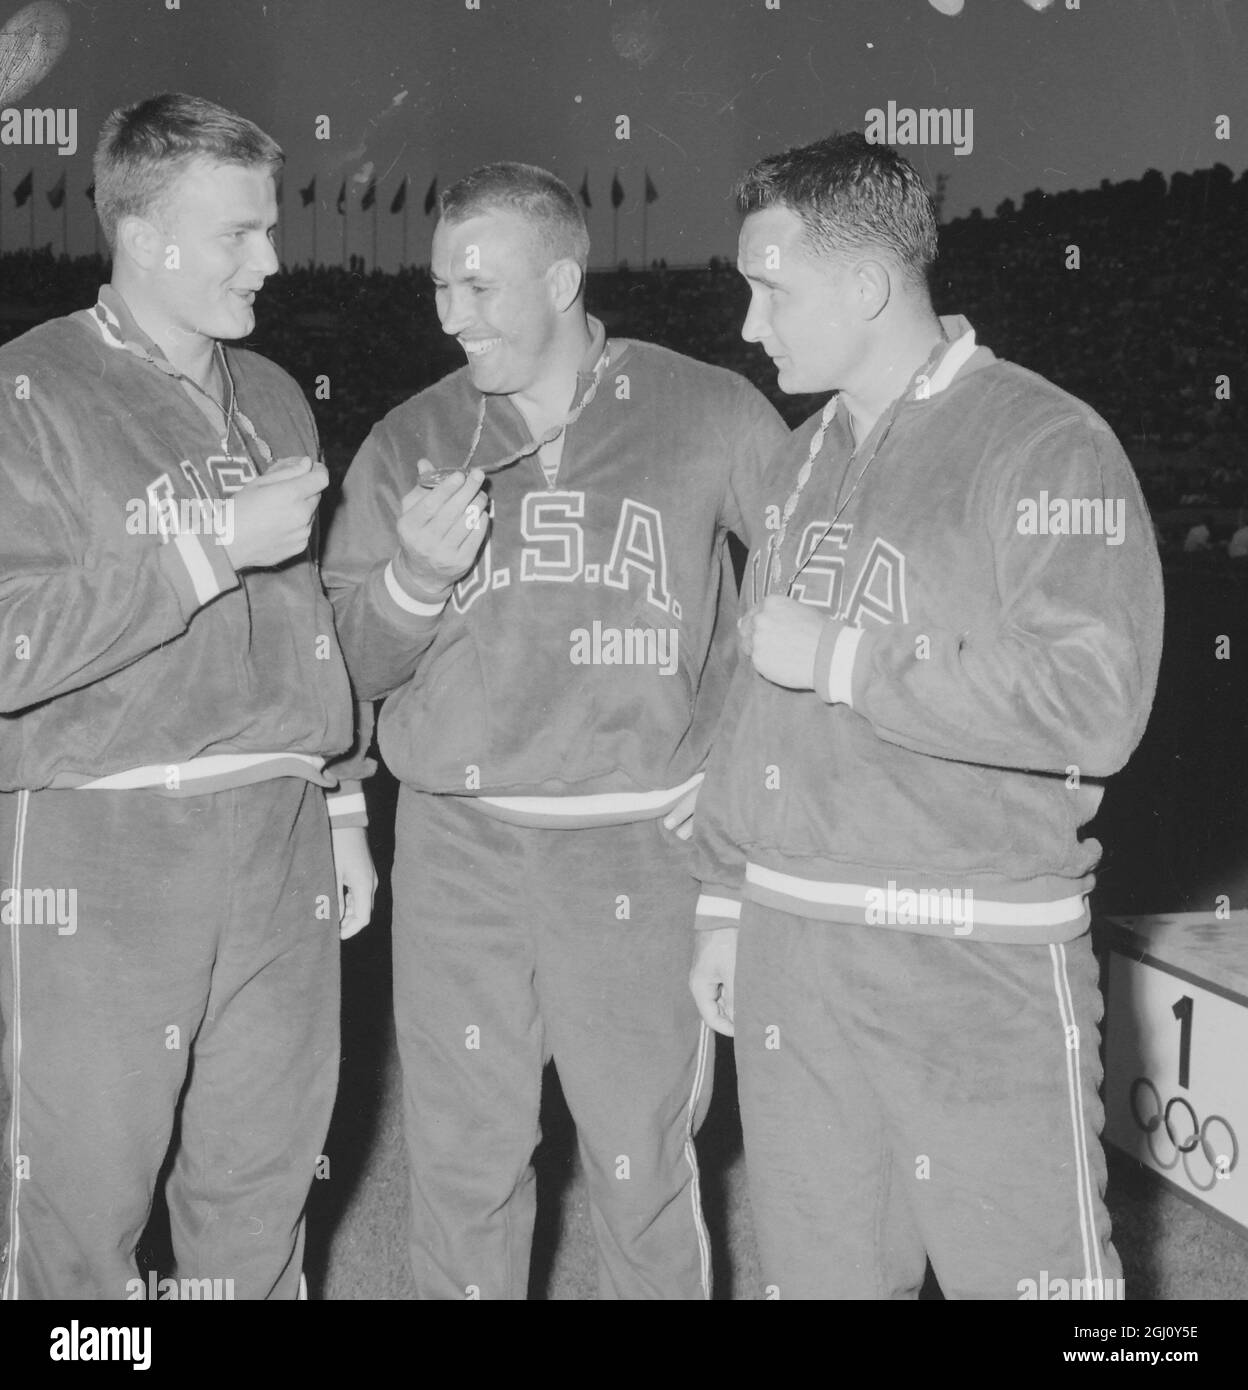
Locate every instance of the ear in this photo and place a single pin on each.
(872, 283)
(141, 242)
(565, 279)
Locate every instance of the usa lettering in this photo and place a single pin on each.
(554, 552)
(878, 591)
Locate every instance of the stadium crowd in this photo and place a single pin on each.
(1132, 296)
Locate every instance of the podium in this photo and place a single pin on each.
(1176, 1052)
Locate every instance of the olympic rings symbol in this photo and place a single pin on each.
(1161, 1120)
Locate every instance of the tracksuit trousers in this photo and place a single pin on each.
(905, 1096)
(514, 944)
(201, 967)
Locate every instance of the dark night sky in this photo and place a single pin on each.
(1061, 99)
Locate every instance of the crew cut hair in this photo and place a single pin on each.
(144, 149)
(852, 196)
(543, 200)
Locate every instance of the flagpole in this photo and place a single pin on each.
(645, 223)
(404, 261)
(346, 212)
(65, 217)
(375, 211)
(315, 204)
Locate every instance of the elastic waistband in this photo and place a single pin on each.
(932, 910)
(211, 773)
(602, 808)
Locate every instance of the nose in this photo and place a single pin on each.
(756, 325)
(266, 258)
(451, 303)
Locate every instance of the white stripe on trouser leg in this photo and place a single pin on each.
(10, 1290)
(1083, 1167)
(691, 1158)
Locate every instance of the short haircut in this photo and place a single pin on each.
(544, 201)
(852, 197)
(144, 149)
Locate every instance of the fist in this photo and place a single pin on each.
(781, 636)
(441, 531)
(272, 515)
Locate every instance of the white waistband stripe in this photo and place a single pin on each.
(194, 769)
(597, 804)
(854, 895)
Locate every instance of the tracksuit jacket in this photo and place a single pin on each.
(576, 674)
(132, 659)
(993, 606)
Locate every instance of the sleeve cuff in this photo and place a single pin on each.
(197, 571)
(717, 908)
(346, 806)
(421, 608)
(834, 663)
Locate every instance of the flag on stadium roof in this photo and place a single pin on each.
(585, 190)
(651, 192)
(431, 197)
(399, 200)
(308, 194)
(56, 194)
(370, 194)
(342, 198)
(617, 190)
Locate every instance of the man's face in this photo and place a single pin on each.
(221, 218)
(494, 296)
(800, 306)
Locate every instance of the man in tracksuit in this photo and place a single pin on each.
(953, 629)
(553, 658)
(170, 693)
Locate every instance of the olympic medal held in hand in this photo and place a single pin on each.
(435, 476)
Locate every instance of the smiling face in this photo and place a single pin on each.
(497, 298)
(221, 218)
(802, 307)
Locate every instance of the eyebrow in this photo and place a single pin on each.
(472, 278)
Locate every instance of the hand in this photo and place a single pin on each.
(357, 880)
(272, 515)
(711, 978)
(680, 817)
(781, 637)
(441, 531)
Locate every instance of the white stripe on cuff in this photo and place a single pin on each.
(406, 602)
(841, 667)
(203, 579)
(348, 805)
(718, 907)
